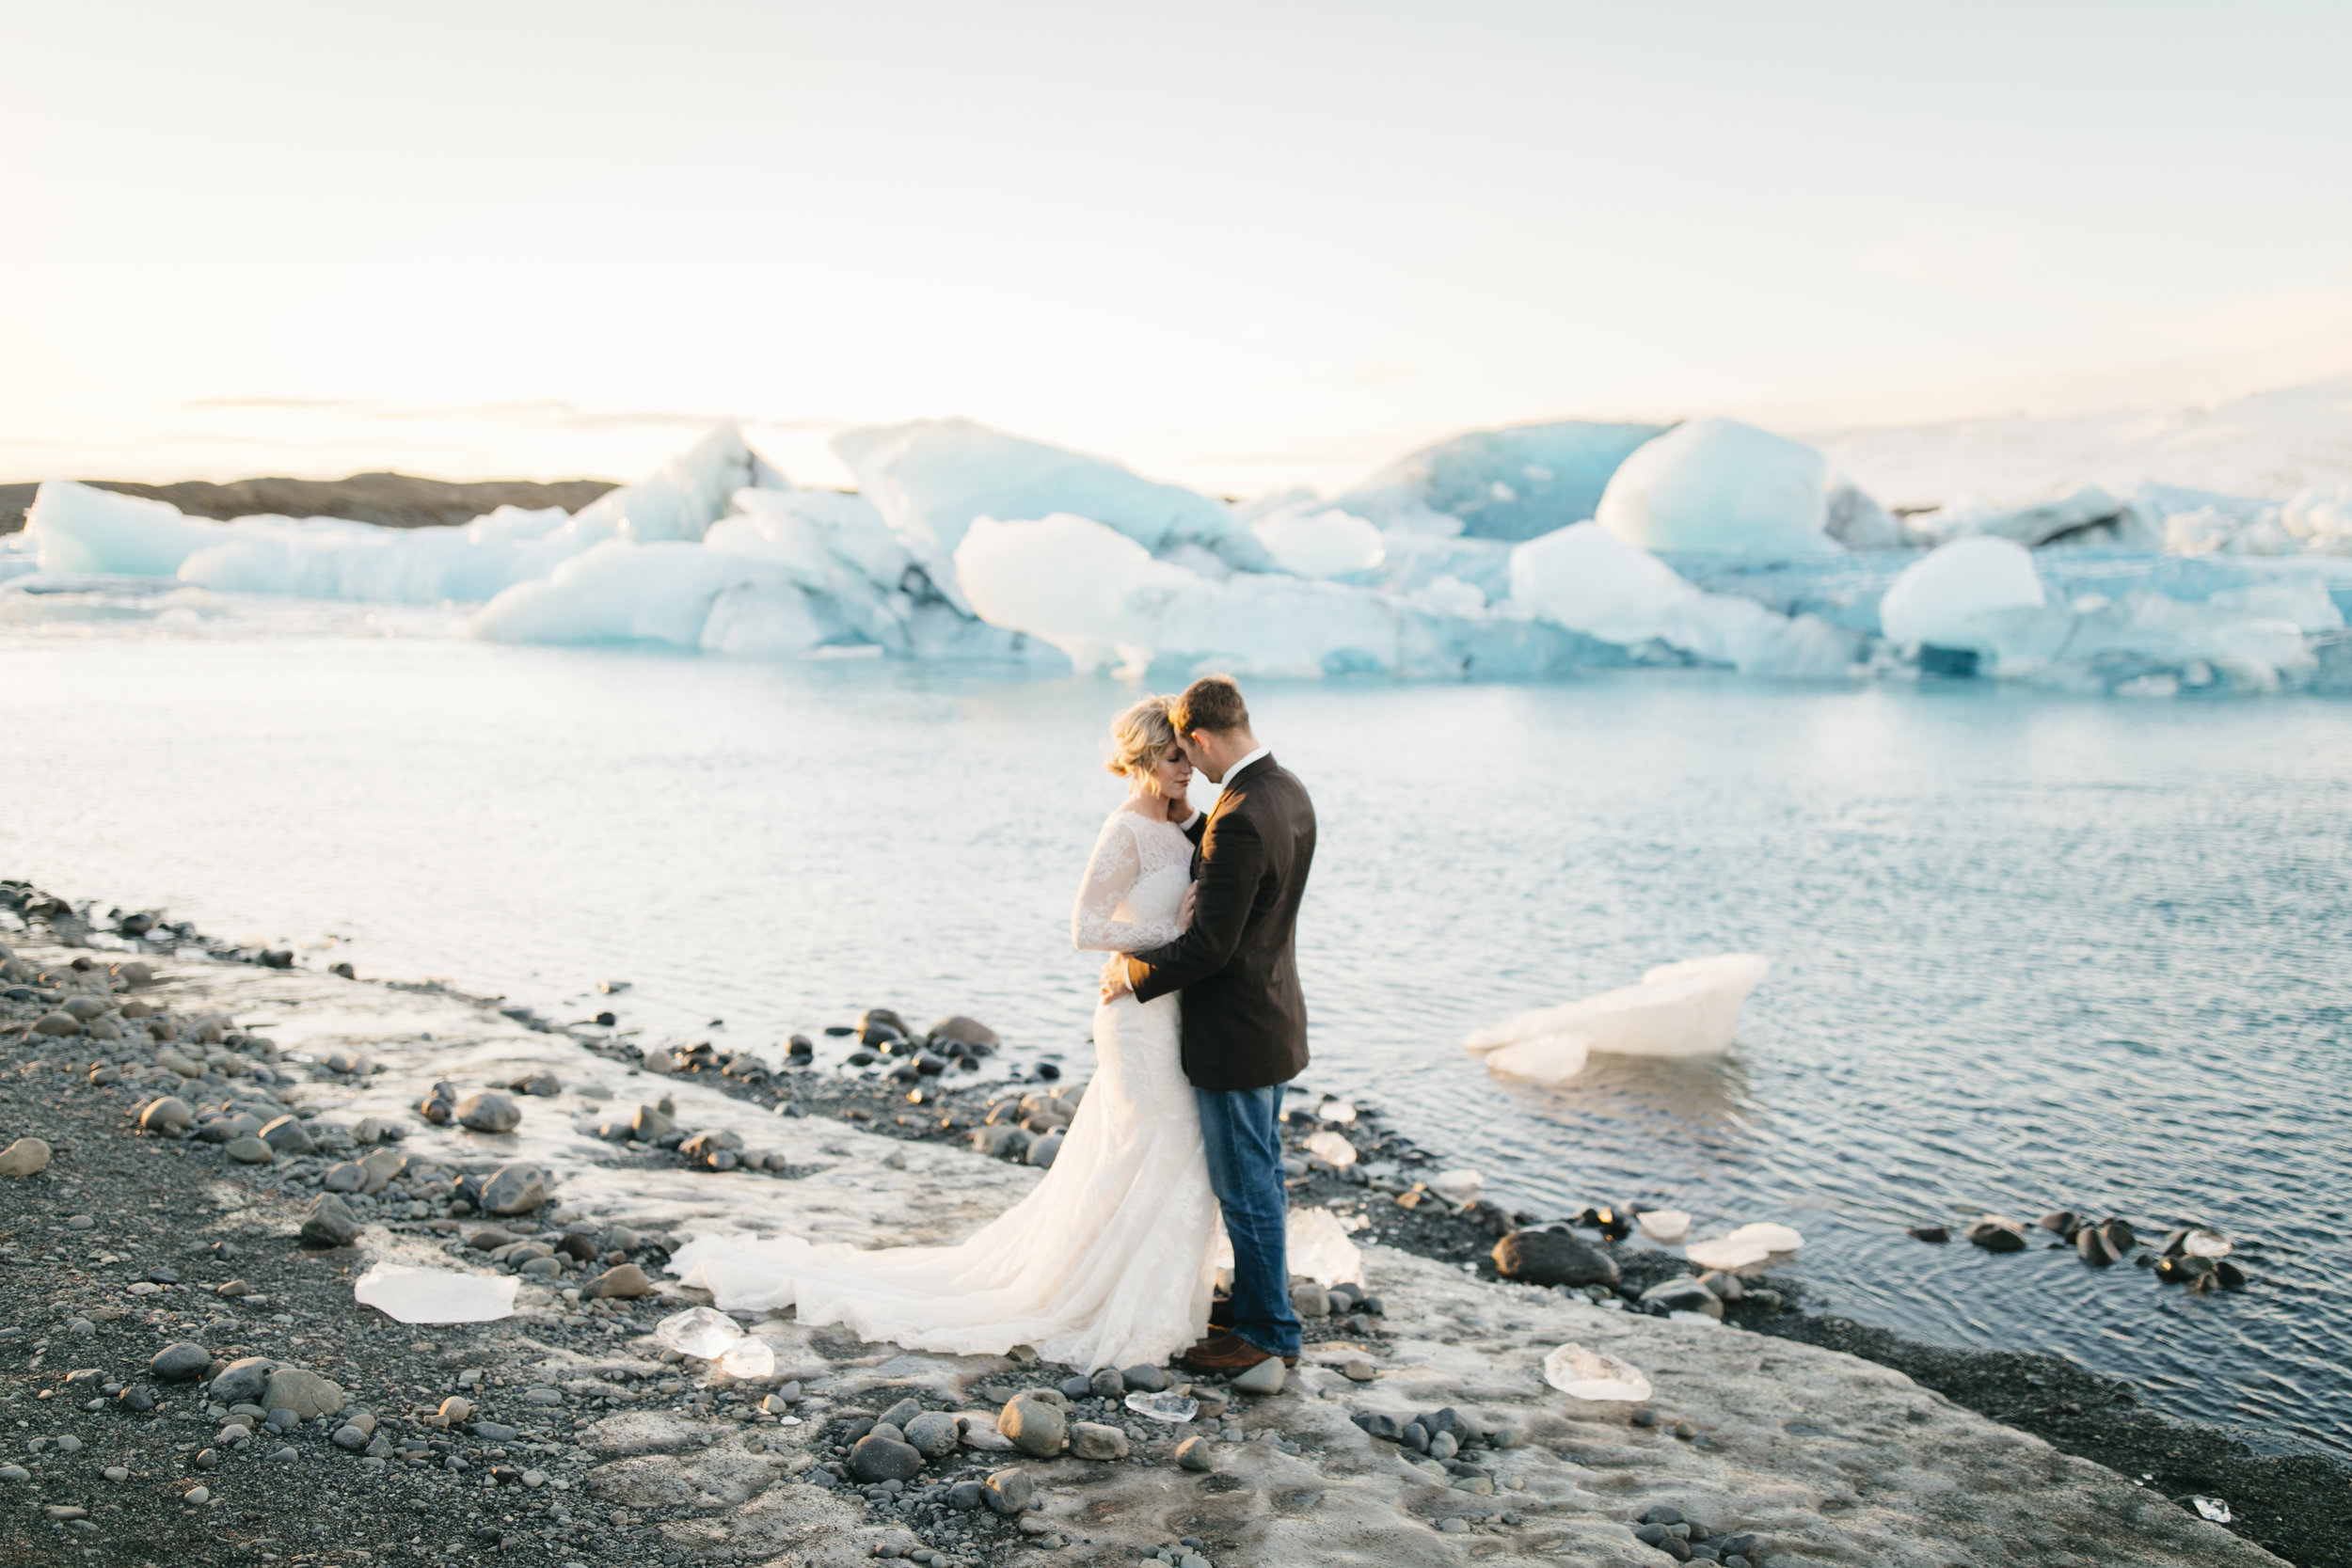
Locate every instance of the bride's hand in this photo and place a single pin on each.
(1184, 905)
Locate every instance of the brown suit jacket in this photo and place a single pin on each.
(1244, 1017)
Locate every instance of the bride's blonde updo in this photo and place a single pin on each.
(1140, 737)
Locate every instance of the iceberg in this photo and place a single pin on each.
(1680, 1009)
(2320, 517)
(1325, 543)
(2087, 515)
(2155, 645)
(1717, 485)
(1939, 598)
(1590, 579)
(1107, 603)
(932, 478)
(680, 500)
(79, 528)
(1511, 485)
(620, 591)
(326, 557)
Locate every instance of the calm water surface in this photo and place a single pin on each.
(2028, 952)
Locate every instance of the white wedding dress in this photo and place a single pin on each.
(1110, 1261)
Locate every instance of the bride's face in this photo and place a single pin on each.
(1171, 777)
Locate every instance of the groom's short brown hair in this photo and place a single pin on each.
(1213, 703)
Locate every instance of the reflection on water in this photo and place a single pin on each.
(2028, 952)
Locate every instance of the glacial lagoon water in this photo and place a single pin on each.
(2029, 951)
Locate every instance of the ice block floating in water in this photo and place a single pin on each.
(1680, 1009)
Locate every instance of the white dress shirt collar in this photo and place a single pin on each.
(1235, 771)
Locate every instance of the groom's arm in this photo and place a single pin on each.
(1233, 863)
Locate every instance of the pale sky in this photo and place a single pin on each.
(1228, 244)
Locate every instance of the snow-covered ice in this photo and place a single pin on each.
(932, 478)
(1327, 543)
(1590, 579)
(1715, 543)
(1940, 598)
(1680, 1009)
(1716, 484)
(1511, 485)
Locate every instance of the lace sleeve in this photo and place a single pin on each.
(1113, 870)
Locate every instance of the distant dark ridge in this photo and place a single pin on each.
(394, 500)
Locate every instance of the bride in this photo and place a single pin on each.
(1110, 1261)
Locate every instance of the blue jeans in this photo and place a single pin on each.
(1245, 1150)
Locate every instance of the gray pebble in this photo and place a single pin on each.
(177, 1363)
(486, 1112)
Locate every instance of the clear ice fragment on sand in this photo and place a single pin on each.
(1588, 1374)
(1164, 1407)
(2213, 1509)
(699, 1331)
(435, 1295)
(747, 1358)
(1666, 1226)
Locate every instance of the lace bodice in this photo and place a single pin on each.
(1133, 882)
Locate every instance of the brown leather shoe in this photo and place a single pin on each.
(1226, 1353)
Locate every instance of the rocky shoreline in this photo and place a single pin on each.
(556, 1434)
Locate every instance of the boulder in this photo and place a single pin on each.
(1147, 1380)
(1263, 1378)
(58, 1024)
(934, 1434)
(1554, 1258)
(1011, 1491)
(243, 1380)
(329, 1223)
(622, 1282)
(179, 1362)
(486, 1112)
(249, 1150)
(878, 1458)
(1682, 1295)
(1995, 1234)
(167, 1118)
(1033, 1426)
(963, 1031)
(306, 1394)
(1093, 1440)
(515, 1188)
(287, 1135)
(25, 1157)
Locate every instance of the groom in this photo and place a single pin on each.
(1244, 1022)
